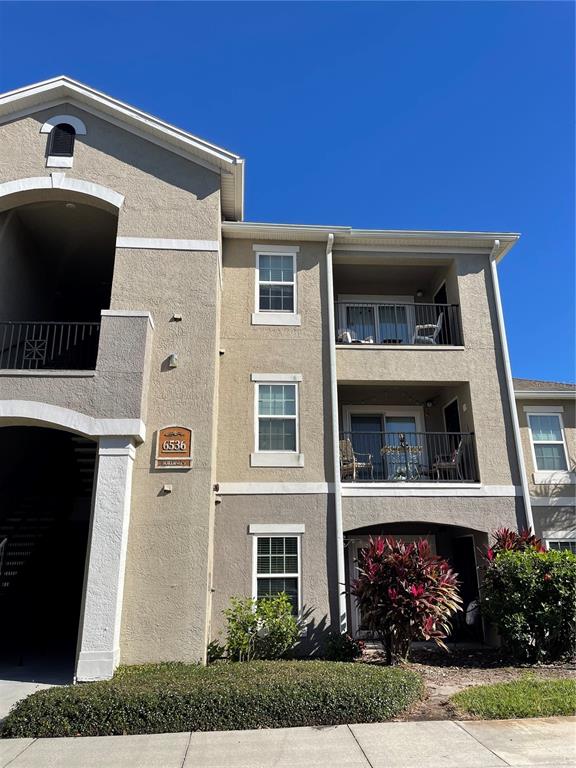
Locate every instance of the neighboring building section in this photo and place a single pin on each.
(547, 416)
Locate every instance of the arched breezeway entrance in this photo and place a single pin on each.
(46, 484)
(65, 490)
(462, 547)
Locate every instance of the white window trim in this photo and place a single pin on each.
(53, 161)
(291, 532)
(550, 476)
(262, 458)
(269, 317)
(560, 540)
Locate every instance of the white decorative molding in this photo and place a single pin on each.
(554, 477)
(276, 377)
(412, 348)
(429, 490)
(276, 459)
(272, 528)
(72, 120)
(555, 394)
(74, 421)
(54, 161)
(60, 181)
(128, 313)
(167, 244)
(276, 248)
(536, 409)
(276, 318)
(274, 489)
(47, 374)
(553, 501)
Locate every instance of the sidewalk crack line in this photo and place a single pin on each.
(187, 748)
(504, 762)
(360, 747)
(20, 753)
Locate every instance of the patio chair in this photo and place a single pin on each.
(351, 464)
(449, 463)
(349, 337)
(429, 332)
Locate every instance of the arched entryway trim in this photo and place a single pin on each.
(74, 421)
(61, 182)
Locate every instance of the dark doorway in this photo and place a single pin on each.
(463, 560)
(46, 478)
(452, 417)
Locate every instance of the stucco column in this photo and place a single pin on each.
(99, 653)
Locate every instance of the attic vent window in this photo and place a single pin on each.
(61, 141)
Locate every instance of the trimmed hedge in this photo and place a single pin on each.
(172, 698)
(526, 697)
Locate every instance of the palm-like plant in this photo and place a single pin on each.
(405, 593)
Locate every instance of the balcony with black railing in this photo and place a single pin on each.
(414, 457)
(400, 324)
(34, 345)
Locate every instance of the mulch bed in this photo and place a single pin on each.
(447, 673)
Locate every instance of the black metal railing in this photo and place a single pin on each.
(54, 346)
(431, 457)
(383, 323)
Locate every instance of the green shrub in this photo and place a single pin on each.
(531, 597)
(342, 647)
(527, 697)
(260, 629)
(171, 698)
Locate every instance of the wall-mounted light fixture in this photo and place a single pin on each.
(173, 360)
(419, 293)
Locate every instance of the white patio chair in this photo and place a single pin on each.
(428, 333)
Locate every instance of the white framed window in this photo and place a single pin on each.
(276, 434)
(562, 544)
(276, 299)
(277, 564)
(548, 444)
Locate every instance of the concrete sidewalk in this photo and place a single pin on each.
(547, 743)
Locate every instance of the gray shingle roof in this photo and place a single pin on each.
(533, 385)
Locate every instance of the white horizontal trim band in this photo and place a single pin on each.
(259, 489)
(167, 244)
(563, 394)
(282, 377)
(557, 477)
(59, 162)
(412, 347)
(275, 318)
(264, 528)
(426, 490)
(276, 248)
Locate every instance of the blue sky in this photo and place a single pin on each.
(456, 115)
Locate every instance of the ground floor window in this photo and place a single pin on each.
(278, 567)
(562, 544)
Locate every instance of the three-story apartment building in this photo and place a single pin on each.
(194, 406)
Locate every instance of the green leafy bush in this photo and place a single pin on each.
(172, 698)
(343, 647)
(527, 697)
(531, 597)
(260, 629)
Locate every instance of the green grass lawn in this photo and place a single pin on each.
(171, 698)
(526, 697)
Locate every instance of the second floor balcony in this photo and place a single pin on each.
(36, 345)
(400, 457)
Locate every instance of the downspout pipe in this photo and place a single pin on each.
(510, 387)
(339, 531)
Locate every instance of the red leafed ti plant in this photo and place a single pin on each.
(507, 540)
(404, 592)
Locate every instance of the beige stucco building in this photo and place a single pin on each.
(335, 383)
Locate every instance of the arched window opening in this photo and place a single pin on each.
(61, 140)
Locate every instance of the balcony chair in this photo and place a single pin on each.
(349, 337)
(429, 332)
(350, 464)
(449, 463)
